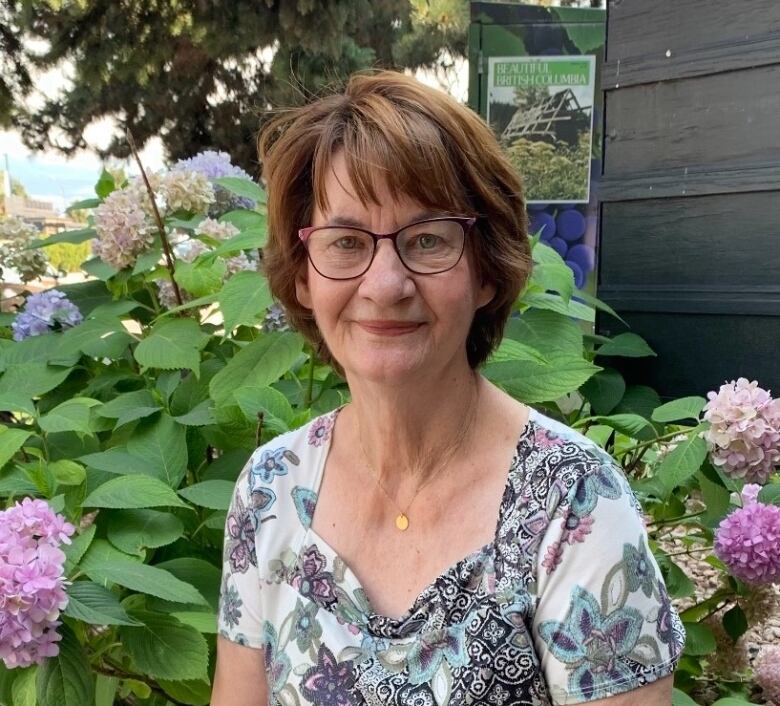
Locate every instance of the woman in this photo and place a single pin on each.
(433, 541)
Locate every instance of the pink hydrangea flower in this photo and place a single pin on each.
(768, 672)
(748, 541)
(32, 585)
(744, 434)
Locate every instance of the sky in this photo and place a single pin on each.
(49, 176)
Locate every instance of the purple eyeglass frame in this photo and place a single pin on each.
(465, 222)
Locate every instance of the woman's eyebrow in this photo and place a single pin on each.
(339, 220)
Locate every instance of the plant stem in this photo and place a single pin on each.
(310, 386)
(158, 219)
(690, 551)
(675, 519)
(653, 441)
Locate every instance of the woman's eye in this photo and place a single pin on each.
(348, 242)
(427, 241)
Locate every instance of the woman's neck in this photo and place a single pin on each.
(406, 432)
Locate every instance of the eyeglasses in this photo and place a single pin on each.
(425, 247)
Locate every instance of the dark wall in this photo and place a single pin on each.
(690, 194)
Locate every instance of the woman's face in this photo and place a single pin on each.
(390, 324)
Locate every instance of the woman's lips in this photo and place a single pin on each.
(390, 328)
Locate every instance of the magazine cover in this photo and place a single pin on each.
(541, 108)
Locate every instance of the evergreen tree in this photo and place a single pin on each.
(199, 73)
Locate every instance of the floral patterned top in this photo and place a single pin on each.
(566, 605)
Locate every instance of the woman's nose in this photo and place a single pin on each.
(387, 279)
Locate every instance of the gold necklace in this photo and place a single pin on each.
(402, 519)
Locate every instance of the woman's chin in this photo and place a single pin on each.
(394, 368)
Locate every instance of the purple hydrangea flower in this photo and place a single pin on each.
(213, 165)
(748, 541)
(32, 587)
(43, 312)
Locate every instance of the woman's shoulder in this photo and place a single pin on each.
(565, 462)
(287, 467)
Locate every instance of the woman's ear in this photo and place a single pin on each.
(486, 293)
(302, 290)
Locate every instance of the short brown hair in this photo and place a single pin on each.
(425, 145)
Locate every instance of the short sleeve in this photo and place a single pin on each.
(603, 623)
(239, 618)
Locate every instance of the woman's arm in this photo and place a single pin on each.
(239, 679)
(659, 693)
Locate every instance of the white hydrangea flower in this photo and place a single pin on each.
(215, 229)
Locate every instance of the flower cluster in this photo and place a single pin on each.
(44, 312)
(12, 228)
(748, 540)
(744, 434)
(275, 319)
(768, 672)
(124, 229)
(213, 165)
(32, 587)
(28, 263)
(186, 191)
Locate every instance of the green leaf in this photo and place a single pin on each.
(105, 690)
(148, 260)
(130, 406)
(770, 494)
(188, 691)
(213, 494)
(23, 688)
(683, 461)
(132, 531)
(68, 236)
(241, 187)
(273, 404)
(71, 415)
(65, 680)
(259, 363)
(96, 605)
(244, 219)
(201, 277)
(99, 269)
(202, 621)
(553, 302)
(67, 472)
(250, 239)
(555, 277)
(77, 548)
(105, 184)
(83, 204)
(100, 337)
(133, 491)
(684, 408)
(172, 344)
(27, 372)
(677, 582)
(115, 460)
(205, 577)
(244, 299)
(735, 622)
(628, 424)
(699, 639)
(17, 482)
(165, 648)
(596, 303)
(161, 443)
(626, 345)
(604, 390)
(586, 36)
(510, 350)
(199, 416)
(680, 698)
(104, 564)
(531, 383)
(11, 440)
(600, 433)
(716, 500)
(733, 701)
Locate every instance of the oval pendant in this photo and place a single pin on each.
(402, 522)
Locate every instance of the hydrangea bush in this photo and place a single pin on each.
(130, 402)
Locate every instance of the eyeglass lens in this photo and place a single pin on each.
(426, 248)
